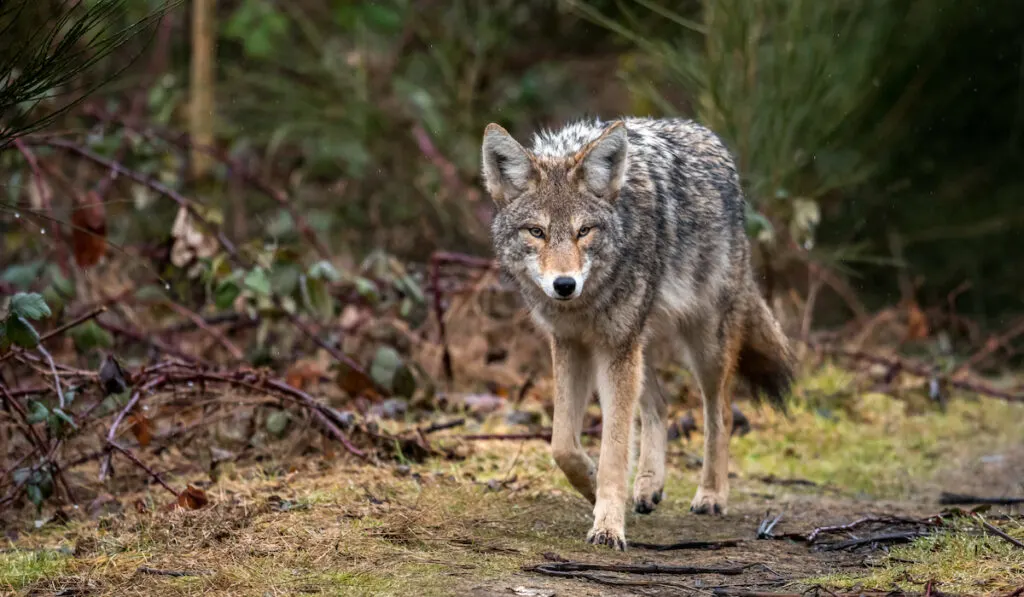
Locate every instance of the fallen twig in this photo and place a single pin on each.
(891, 520)
(885, 538)
(435, 427)
(998, 532)
(993, 344)
(563, 568)
(960, 499)
(56, 377)
(544, 434)
(773, 480)
(683, 545)
(174, 573)
(236, 353)
(894, 363)
(105, 468)
(153, 342)
(141, 465)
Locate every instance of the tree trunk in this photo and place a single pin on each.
(202, 101)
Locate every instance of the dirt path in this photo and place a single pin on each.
(470, 527)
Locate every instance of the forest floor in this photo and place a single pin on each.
(476, 526)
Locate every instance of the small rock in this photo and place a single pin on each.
(482, 404)
(523, 417)
(531, 592)
(392, 408)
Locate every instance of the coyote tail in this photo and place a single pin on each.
(766, 361)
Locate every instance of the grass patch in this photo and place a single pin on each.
(18, 568)
(871, 444)
(955, 562)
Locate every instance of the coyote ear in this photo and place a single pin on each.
(507, 167)
(601, 165)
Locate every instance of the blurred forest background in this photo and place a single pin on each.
(881, 140)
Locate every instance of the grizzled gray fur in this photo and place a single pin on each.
(619, 234)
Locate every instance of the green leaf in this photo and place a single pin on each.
(367, 289)
(90, 335)
(60, 283)
(37, 412)
(282, 225)
(151, 293)
(226, 293)
(317, 299)
(22, 275)
(30, 306)
(35, 495)
(22, 475)
(277, 422)
(382, 18)
(21, 333)
(758, 226)
(323, 270)
(52, 297)
(259, 26)
(257, 281)
(390, 372)
(284, 278)
(63, 416)
(411, 288)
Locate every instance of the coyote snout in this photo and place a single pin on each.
(561, 286)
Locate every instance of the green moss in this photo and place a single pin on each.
(954, 562)
(872, 445)
(19, 569)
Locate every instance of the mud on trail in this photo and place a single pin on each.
(481, 525)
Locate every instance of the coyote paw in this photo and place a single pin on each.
(708, 502)
(612, 538)
(644, 502)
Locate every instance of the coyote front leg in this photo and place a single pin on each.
(620, 379)
(574, 383)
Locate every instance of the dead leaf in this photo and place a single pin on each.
(142, 428)
(303, 373)
(40, 194)
(89, 230)
(917, 323)
(354, 382)
(189, 241)
(192, 498)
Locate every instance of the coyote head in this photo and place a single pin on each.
(556, 224)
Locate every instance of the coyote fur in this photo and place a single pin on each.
(619, 234)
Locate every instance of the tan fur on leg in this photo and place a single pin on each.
(619, 383)
(574, 384)
(715, 372)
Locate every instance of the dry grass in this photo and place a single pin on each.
(440, 528)
(961, 562)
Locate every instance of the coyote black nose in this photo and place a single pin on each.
(564, 286)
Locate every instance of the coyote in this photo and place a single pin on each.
(619, 234)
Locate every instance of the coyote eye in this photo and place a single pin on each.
(537, 232)
(583, 232)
